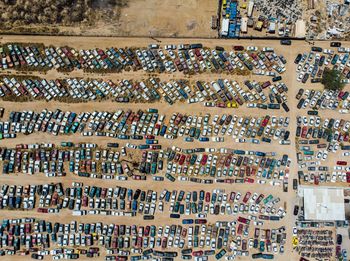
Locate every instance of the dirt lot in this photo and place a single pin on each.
(146, 18)
(168, 18)
(80, 42)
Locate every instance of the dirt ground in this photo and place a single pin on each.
(289, 78)
(168, 18)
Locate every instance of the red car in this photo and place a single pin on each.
(248, 180)
(204, 159)
(240, 229)
(228, 161)
(254, 56)
(246, 197)
(147, 230)
(238, 48)
(316, 180)
(232, 196)
(243, 220)
(265, 121)
(341, 162)
(304, 132)
(253, 172)
(164, 242)
(201, 221)
(266, 84)
(221, 105)
(182, 160)
(247, 170)
(184, 232)
(341, 94)
(257, 232)
(258, 200)
(197, 253)
(207, 197)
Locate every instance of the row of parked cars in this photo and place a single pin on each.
(189, 59)
(121, 201)
(220, 93)
(313, 64)
(241, 128)
(229, 168)
(331, 130)
(52, 160)
(121, 242)
(90, 160)
(147, 124)
(324, 100)
(317, 139)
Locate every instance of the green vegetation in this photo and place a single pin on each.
(15, 13)
(333, 80)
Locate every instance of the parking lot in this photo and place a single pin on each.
(219, 148)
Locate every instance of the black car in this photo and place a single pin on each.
(277, 78)
(286, 135)
(286, 42)
(316, 49)
(36, 256)
(312, 112)
(285, 107)
(339, 239)
(296, 210)
(273, 106)
(316, 80)
(298, 58)
(335, 44)
(299, 94)
(300, 103)
(305, 77)
(295, 184)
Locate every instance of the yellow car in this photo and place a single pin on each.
(234, 105)
(295, 241)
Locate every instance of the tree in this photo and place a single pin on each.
(333, 80)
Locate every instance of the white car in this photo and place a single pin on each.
(218, 139)
(252, 48)
(295, 231)
(284, 142)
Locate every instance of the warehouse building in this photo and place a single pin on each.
(323, 204)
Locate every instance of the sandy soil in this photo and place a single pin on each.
(80, 42)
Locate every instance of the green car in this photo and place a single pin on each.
(220, 254)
